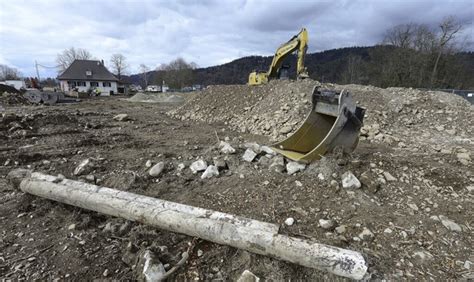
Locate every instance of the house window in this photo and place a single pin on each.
(94, 84)
(71, 84)
(81, 83)
(106, 84)
(88, 73)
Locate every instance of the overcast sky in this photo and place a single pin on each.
(208, 32)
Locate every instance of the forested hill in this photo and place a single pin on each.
(381, 66)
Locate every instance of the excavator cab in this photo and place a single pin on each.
(257, 78)
(334, 121)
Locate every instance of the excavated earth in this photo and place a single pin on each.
(412, 218)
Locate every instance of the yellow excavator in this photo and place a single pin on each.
(334, 121)
(298, 43)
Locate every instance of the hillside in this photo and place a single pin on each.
(363, 65)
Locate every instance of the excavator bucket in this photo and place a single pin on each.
(334, 121)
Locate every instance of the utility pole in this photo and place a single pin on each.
(37, 72)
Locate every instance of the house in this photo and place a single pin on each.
(88, 75)
(17, 84)
(153, 88)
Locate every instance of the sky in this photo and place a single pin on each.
(207, 32)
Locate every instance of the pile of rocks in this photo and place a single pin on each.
(275, 109)
(10, 99)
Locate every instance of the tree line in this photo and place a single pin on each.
(414, 55)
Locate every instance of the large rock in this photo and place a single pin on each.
(294, 167)
(197, 166)
(226, 148)
(349, 181)
(449, 224)
(249, 155)
(157, 169)
(210, 171)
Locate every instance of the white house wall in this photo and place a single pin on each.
(104, 91)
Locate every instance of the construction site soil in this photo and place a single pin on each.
(411, 219)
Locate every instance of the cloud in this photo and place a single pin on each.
(207, 32)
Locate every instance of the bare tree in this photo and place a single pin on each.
(449, 28)
(66, 57)
(119, 64)
(144, 69)
(400, 35)
(7, 73)
(178, 73)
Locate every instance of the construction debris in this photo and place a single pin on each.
(251, 235)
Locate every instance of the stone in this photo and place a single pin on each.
(326, 223)
(121, 117)
(210, 172)
(83, 167)
(413, 207)
(181, 166)
(465, 156)
(71, 227)
(157, 169)
(200, 253)
(148, 164)
(294, 167)
(220, 164)
(197, 166)
(340, 229)
(366, 234)
(248, 276)
(450, 225)
(422, 256)
(249, 155)
(298, 183)
(226, 148)
(388, 231)
(267, 150)
(149, 268)
(253, 146)
(289, 221)
(90, 178)
(350, 181)
(285, 130)
(388, 176)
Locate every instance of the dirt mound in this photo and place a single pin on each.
(280, 107)
(274, 110)
(17, 98)
(8, 88)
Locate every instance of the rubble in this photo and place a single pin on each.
(414, 162)
(197, 166)
(289, 221)
(84, 167)
(349, 181)
(121, 117)
(249, 155)
(226, 148)
(210, 171)
(157, 169)
(248, 276)
(294, 167)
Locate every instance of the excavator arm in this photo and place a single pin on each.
(298, 43)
